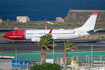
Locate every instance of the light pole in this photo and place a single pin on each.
(16, 57)
(91, 54)
(53, 50)
(45, 25)
(2, 52)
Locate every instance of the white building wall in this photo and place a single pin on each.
(23, 19)
(5, 63)
(59, 19)
(0, 20)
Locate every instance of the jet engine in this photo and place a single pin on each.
(35, 39)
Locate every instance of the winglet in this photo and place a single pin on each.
(95, 12)
(51, 31)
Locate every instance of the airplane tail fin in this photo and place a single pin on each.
(90, 23)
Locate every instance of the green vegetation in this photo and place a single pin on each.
(45, 43)
(2, 38)
(94, 36)
(44, 28)
(97, 35)
(44, 22)
(46, 66)
(68, 46)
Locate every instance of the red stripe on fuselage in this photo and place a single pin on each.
(17, 35)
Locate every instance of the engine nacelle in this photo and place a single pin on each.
(35, 39)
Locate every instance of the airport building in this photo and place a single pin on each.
(80, 16)
(80, 60)
(1, 20)
(59, 19)
(6, 62)
(23, 19)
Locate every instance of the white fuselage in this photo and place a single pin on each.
(56, 34)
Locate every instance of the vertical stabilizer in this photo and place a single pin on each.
(90, 23)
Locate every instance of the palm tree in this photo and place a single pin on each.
(45, 43)
(68, 46)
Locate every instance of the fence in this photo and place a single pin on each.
(83, 62)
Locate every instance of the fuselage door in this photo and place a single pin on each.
(79, 33)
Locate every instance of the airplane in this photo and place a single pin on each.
(35, 35)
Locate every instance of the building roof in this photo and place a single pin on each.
(7, 56)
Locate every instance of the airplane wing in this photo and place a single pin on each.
(96, 31)
(99, 31)
(37, 39)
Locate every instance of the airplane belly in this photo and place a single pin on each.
(85, 34)
(65, 36)
(29, 36)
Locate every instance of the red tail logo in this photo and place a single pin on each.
(51, 31)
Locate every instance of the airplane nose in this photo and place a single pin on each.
(5, 36)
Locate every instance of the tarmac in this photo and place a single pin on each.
(27, 46)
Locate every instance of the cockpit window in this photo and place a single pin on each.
(8, 33)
